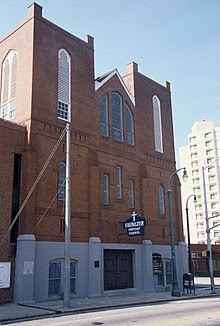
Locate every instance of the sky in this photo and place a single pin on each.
(173, 40)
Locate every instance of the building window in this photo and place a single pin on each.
(209, 152)
(193, 148)
(211, 169)
(198, 207)
(118, 177)
(208, 143)
(129, 126)
(194, 164)
(212, 196)
(158, 138)
(213, 205)
(195, 173)
(73, 266)
(165, 278)
(207, 135)
(106, 189)
(131, 193)
(193, 156)
(192, 139)
(61, 181)
(117, 117)
(64, 88)
(211, 178)
(161, 199)
(200, 235)
(103, 110)
(216, 234)
(196, 190)
(8, 90)
(200, 226)
(199, 217)
(196, 181)
(56, 277)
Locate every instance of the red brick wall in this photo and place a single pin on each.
(13, 140)
(37, 42)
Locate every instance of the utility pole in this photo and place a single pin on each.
(66, 297)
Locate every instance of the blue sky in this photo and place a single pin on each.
(174, 40)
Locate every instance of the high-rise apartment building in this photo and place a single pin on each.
(202, 152)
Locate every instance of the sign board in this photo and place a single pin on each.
(157, 263)
(28, 267)
(135, 225)
(5, 275)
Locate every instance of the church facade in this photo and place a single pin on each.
(121, 159)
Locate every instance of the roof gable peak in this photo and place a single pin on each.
(100, 81)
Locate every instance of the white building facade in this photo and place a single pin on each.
(202, 152)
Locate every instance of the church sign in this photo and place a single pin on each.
(157, 263)
(135, 225)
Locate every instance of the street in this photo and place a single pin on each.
(196, 312)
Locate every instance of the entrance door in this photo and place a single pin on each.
(118, 269)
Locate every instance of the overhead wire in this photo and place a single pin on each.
(33, 187)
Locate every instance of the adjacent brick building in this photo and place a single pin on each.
(122, 156)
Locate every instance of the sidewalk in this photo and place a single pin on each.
(11, 311)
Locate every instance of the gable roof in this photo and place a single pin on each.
(100, 81)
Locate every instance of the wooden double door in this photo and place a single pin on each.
(118, 269)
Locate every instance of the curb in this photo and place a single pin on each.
(53, 312)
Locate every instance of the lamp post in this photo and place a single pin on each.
(209, 246)
(175, 288)
(188, 233)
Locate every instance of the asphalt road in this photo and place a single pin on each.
(196, 312)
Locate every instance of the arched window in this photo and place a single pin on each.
(161, 199)
(8, 91)
(61, 181)
(56, 277)
(129, 126)
(131, 193)
(158, 137)
(64, 87)
(103, 113)
(106, 189)
(117, 117)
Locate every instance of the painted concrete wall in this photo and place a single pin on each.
(32, 284)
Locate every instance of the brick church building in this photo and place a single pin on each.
(121, 159)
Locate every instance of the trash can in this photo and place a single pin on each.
(188, 283)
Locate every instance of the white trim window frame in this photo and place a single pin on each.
(118, 177)
(61, 182)
(161, 199)
(64, 85)
(117, 117)
(158, 136)
(129, 126)
(106, 189)
(131, 193)
(103, 116)
(9, 84)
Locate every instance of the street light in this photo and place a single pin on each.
(175, 288)
(209, 246)
(188, 233)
